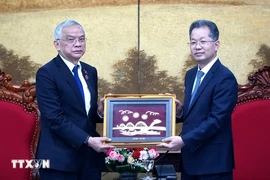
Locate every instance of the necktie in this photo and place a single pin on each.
(198, 82)
(78, 81)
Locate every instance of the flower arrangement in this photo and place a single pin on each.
(129, 159)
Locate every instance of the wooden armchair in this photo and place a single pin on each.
(19, 130)
(251, 127)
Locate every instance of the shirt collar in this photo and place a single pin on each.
(206, 68)
(70, 65)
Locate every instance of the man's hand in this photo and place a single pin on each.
(179, 108)
(97, 143)
(101, 106)
(173, 143)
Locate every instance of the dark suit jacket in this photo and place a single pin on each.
(207, 131)
(64, 121)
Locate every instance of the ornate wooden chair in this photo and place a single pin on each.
(251, 127)
(19, 130)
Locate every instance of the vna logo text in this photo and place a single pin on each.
(30, 163)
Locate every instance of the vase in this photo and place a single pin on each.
(128, 176)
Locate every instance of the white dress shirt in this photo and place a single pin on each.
(87, 95)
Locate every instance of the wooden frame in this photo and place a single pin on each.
(132, 120)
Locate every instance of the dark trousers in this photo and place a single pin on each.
(51, 174)
(218, 176)
(88, 170)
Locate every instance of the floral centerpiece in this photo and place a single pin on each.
(129, 159)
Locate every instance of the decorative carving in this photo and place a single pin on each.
(258, 86)
(25, 95)
(5, 82)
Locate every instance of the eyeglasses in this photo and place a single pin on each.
(72, 40)
(201, 43)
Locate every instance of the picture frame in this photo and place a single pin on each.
(136, 120)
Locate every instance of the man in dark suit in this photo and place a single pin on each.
(210, 96)
(67, 98)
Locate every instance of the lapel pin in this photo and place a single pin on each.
(85, 76)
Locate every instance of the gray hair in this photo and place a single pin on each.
(214, 32)
(59, 28)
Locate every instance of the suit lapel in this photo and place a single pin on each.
(88, 80)
(203, 85)
(64, 70)
(189, 87)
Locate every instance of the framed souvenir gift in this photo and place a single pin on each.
(132, 120)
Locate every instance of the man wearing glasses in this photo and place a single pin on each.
(67, 98)
(206, 142)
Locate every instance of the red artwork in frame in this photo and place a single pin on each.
(136, 119)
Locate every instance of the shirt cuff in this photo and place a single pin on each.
(180, 116)
(86, 140)
(99, 115)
